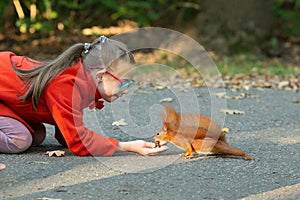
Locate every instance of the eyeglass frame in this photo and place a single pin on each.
(123, 84)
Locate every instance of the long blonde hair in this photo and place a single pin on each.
(102, 52)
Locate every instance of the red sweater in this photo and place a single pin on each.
(61, 104)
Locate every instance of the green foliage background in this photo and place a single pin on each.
(69, 12)
(79, 14)
(288, 15)
(145, 13)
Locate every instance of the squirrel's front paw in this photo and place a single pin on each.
(157, 144)
(187, 155)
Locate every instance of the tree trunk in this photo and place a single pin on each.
(228, 26)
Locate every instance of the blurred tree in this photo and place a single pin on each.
(8, 15)
(235, 25)
(288, 13)
(227, 26)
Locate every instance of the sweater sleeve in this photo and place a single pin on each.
(64, 102)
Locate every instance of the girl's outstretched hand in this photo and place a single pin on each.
(141, 147)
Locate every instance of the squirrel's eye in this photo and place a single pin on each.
(157, 133)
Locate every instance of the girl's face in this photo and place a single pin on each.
(109, 83)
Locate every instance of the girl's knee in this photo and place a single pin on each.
(21, 142)
(14, 136)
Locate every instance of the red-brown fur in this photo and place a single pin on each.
(195, 133)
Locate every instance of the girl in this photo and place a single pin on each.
(56, 92)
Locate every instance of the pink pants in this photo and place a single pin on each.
(16, 138)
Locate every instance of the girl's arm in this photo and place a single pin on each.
(64, 103)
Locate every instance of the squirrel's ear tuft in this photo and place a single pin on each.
(170, 114)
(163, 114)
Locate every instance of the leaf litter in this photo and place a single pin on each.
(237, 97)
(238, 82)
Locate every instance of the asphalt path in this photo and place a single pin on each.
(269, 131)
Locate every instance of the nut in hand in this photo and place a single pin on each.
(157, 144)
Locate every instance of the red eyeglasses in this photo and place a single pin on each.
(123, 84)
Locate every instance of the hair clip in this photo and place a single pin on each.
(87, 47)
(102, 39)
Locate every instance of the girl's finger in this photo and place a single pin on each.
(149, 145)
(154, 151)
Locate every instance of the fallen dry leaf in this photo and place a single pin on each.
(144, 92)
(197, 83)
(160, 85)
(283, 84)
(221, 95)
(168, 99)
(252, 96)
(57, 153)
(37, 162)
(298, 101)
(120, 122)
(232, 112)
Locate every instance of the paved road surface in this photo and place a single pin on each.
(269, 130)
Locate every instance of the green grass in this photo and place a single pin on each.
(232, 65)
(251, 64)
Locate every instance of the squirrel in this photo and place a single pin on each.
(194, 133)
